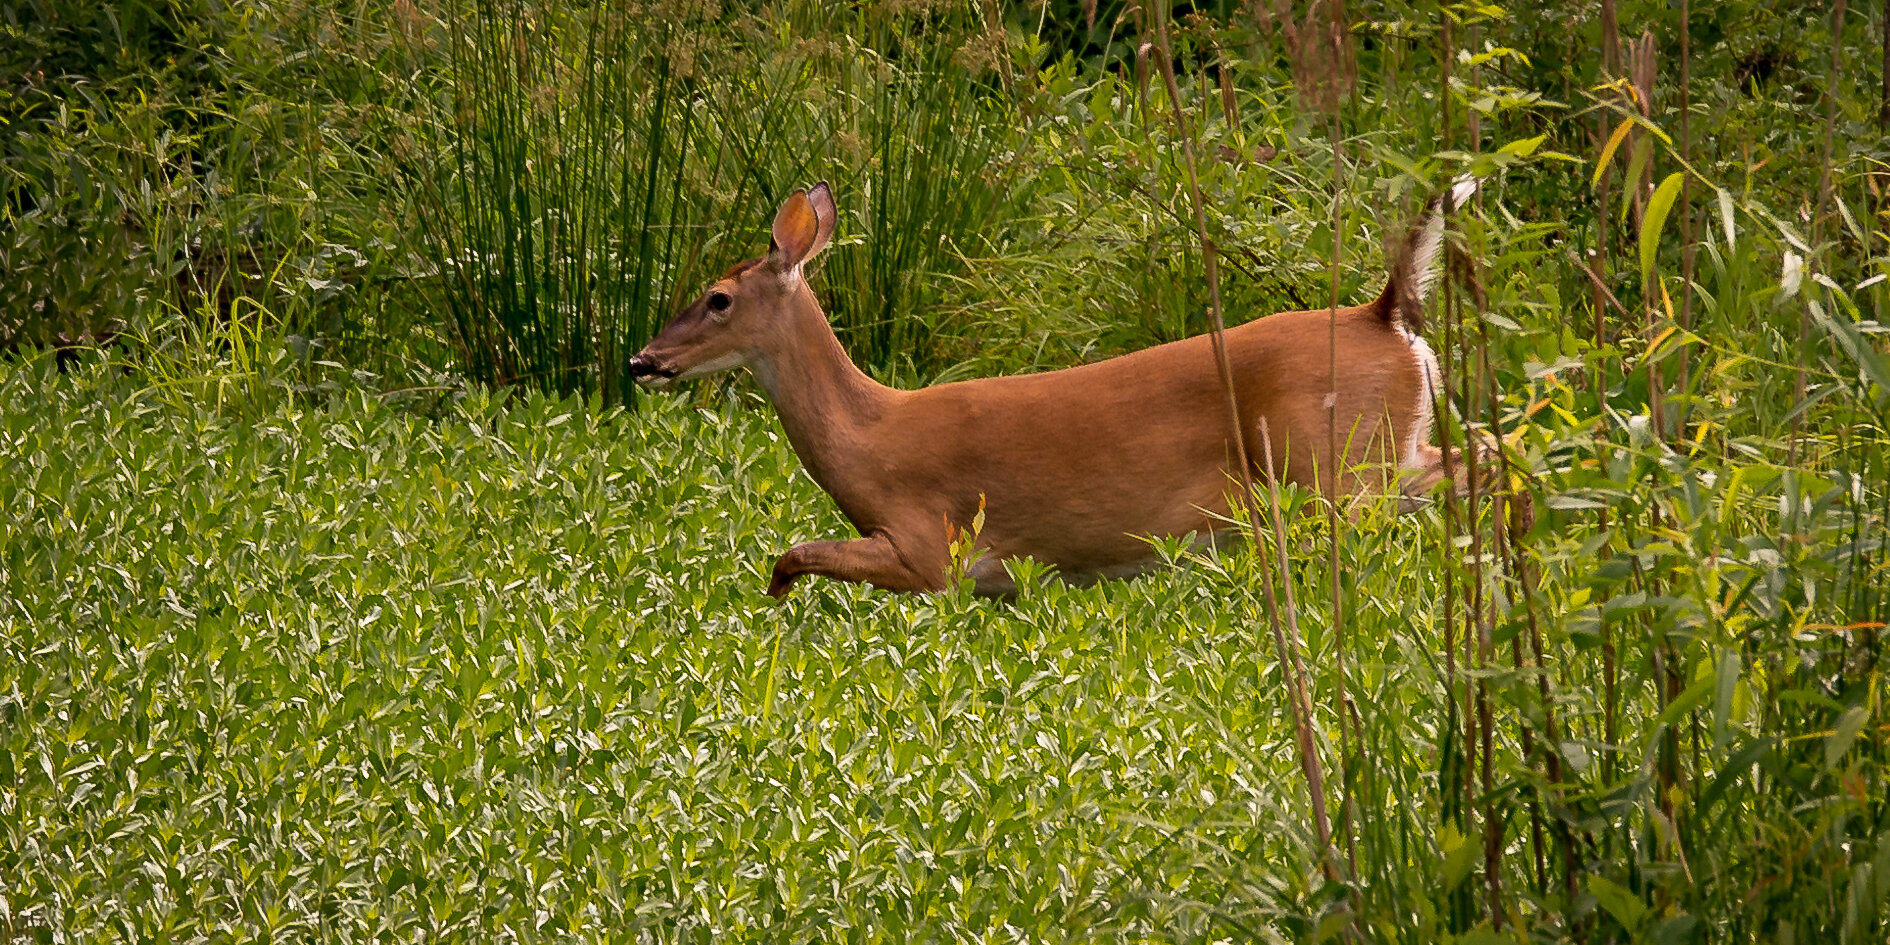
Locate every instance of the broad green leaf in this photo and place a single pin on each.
(1460, 860)
(1484, 936)
(1839, 742)
(1675, 930)
(1684, 703)
(1524, 147)
(1638, 161)
(1627, 908)
(1656, 218)
(1850, 222)
(1869, 361)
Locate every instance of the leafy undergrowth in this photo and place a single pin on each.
(337, 665)
(347, 671)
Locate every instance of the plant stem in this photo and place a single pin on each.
(1288, 649)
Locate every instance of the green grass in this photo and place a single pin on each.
(321, 666)
(340, 670)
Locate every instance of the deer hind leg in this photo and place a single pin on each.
(870, 560)
(1427, 466)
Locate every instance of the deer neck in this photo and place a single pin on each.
(824, 401)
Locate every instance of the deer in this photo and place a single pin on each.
(1077, 468)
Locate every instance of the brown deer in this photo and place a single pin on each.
(1076, 467)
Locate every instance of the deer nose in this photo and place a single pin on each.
(645, 368)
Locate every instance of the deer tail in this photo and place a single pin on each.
(1414, 259)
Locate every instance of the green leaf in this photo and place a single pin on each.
(1869, 362)
(1627, 908)
(1726, 683)
(1638, 161)
(1524, 147)
(1460, 859)
(1656, 218)
(1685, 702)
(1839, 741)
(1850, 222)
(1674, 929)
(1484, 936)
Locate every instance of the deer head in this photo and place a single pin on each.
(726, 325)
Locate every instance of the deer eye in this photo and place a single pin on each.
(719, 301)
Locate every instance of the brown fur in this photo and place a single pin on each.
(1074, 467)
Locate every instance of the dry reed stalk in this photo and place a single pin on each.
(1643, 68)
(1460, 802)
(1230, 104)
(1826, 190)
(1480, 613)
(1482, 610)
(1684, 381)
(1514, 517)
(1324, 72)
(1610, 39)
(1289, 647)
(1287, 650)
(1324, 69)
(1598, 276)
(1459, 516)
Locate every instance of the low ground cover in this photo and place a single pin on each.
(336, 664)
(345, 670)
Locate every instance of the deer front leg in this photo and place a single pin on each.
(872, 560)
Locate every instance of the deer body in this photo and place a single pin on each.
(1073, 467)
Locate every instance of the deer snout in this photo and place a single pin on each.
(650, 372)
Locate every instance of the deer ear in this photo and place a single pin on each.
(821, 198)
(802, 228)
(796, 227)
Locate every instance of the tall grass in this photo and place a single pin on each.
(585, 170)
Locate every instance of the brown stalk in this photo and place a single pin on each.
(1598, 274)
(1286, 651)
(1459, 514)
(1484, 605)
(1686, 214)
(1289, 648)
(1230, 104)
(1642, 67)
(1481, 612)
(1327, 62)
(1515, 517)
(1452, 512)
(1610, 39)
(1826, 186)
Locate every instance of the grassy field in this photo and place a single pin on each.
(343, 670)
(349, 593)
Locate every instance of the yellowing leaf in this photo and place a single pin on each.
(1607, 150)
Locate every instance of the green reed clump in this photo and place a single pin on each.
(584, 171)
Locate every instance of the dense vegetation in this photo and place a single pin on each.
(347, 590)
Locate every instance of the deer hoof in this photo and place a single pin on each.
(782, 580)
